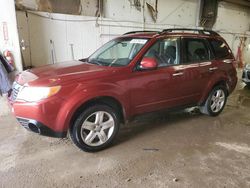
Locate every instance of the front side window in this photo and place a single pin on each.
(164, 51)
(118, 52)
(220, 48)
(196, 50)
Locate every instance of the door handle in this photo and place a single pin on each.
(228, 61)
(178, 74)
(212, 69)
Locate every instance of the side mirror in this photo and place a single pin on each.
(148, 63)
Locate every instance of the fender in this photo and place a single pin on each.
(217, 78)
(82, 95)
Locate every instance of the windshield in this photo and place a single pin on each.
(118, 52)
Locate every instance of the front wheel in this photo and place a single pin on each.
(215, 102)
(95, 128)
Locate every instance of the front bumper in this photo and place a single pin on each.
(246, 76)
(41, 117)
(39, 128)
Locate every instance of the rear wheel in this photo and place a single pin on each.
(215, 102)
(95, 128)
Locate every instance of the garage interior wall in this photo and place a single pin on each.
(8, 31)
(50, 38)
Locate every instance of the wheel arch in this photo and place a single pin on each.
(222, 82)
(106, 100)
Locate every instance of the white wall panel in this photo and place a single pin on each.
(87, 33)
(232, 17)
(43, 30)
(178, 12)
(8, 18)
(23, 30)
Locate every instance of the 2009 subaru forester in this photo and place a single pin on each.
(138, 72)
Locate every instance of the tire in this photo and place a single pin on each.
(95, 128)
(215, 102)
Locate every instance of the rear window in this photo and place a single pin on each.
(196, 50)
(220, 49)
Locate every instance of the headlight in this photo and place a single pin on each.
(248, 66)
(34, 94)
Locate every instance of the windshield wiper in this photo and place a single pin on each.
(112, 62)
(83, 60)
(95, 61)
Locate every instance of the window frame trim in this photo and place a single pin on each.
(157, 40)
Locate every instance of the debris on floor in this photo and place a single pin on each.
(128, 180)
(175, 180)
(150, 149)
(193, 110)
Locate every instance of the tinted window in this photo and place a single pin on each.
(165, 52)
(196, 50)
(220, 49)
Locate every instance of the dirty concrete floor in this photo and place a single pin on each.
(152, 151)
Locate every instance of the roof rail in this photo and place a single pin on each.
(133, 32)
(200, 31)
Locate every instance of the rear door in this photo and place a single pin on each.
(197, 62)
(222, 55)
(223, 61)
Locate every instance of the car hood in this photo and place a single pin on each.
(59, 73)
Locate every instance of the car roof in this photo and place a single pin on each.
(173, 32)
(141, 35)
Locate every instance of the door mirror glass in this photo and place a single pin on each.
(148, 63)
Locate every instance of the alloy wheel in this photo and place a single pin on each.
(217, 100)
(97, 128)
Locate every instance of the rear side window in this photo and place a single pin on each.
(196, 50)
(220, 49)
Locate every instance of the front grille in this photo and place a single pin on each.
(23, 122)
(15, 90)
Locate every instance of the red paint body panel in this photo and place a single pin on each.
(137, 91)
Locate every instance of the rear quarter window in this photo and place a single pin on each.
(220, 49)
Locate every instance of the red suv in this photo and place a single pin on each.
(138, 72)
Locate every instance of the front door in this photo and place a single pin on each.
(167, 86)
